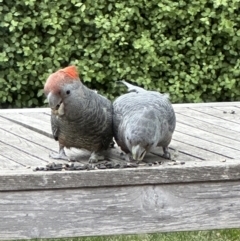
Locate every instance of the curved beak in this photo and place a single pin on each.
(54, 100)
(138, 153)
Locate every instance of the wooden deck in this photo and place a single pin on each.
(199, 189)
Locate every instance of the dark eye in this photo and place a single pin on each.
(68, 92)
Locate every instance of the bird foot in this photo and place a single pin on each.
(127, 157)
(94, 158)
(61, 155)
(167, 154)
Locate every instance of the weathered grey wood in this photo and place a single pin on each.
(211, 119)
(39, 116)
(228, 109)
(25, 110)
(41, 144)
(7, 164)
(20, 157)
(192, 196)
(23, 132)
(31, 123)
(202, 125)
(189, 172)
(206, 145)
(51, 145)
(23, 151)
(232, 118)
(195, 152)
(180, 105)
(118, 210)
(212, 138)
(211, 104)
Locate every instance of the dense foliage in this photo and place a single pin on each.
(187, 48)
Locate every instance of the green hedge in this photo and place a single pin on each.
(187, 48)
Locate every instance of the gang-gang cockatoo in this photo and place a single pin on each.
(80, 117)
(143, 120)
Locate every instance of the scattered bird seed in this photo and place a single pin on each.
(101, 166)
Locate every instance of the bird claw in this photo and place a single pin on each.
(166, 154)
(60, 156)
(94, 158)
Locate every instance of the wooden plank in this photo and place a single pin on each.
(81, 155)
(118, 210)
(190, 172)
(28, 134)
(178, 105)
(23, 150)
(209, 104)
(233, 118)
(210, 119)
(6, 163)
(206, 145)
(41, 144)
(31, 123)
(197, 154)
(25, 110)
(211, 128)
(20, 157)
(229, 113)
(40, 116)
(212, 138)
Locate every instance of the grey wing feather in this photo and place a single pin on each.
(132, 88)
(55, 126)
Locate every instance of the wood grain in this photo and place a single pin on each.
(39, 116)
(206, 145)
(40, 141)
(189, 172)
(118, 210)
(203, 193)
(209, 104)
(211, 119)
(25, 110)
(19, 157)
(217, 112)
(179, 105)
(210, 128)
(29, 122)
(8, 164)
(22, 150)
(210, 137)
(195, 152)
(40, 144)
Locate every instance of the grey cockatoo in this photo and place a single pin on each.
(80, 117)
(143, 120)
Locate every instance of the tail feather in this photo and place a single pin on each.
(132, 88)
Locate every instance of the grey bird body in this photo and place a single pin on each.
(143, 120)
(80, 117)
(86, 122)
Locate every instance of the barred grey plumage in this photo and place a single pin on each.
(80, 118)
(143, 120)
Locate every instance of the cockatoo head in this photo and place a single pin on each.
(60, 85)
